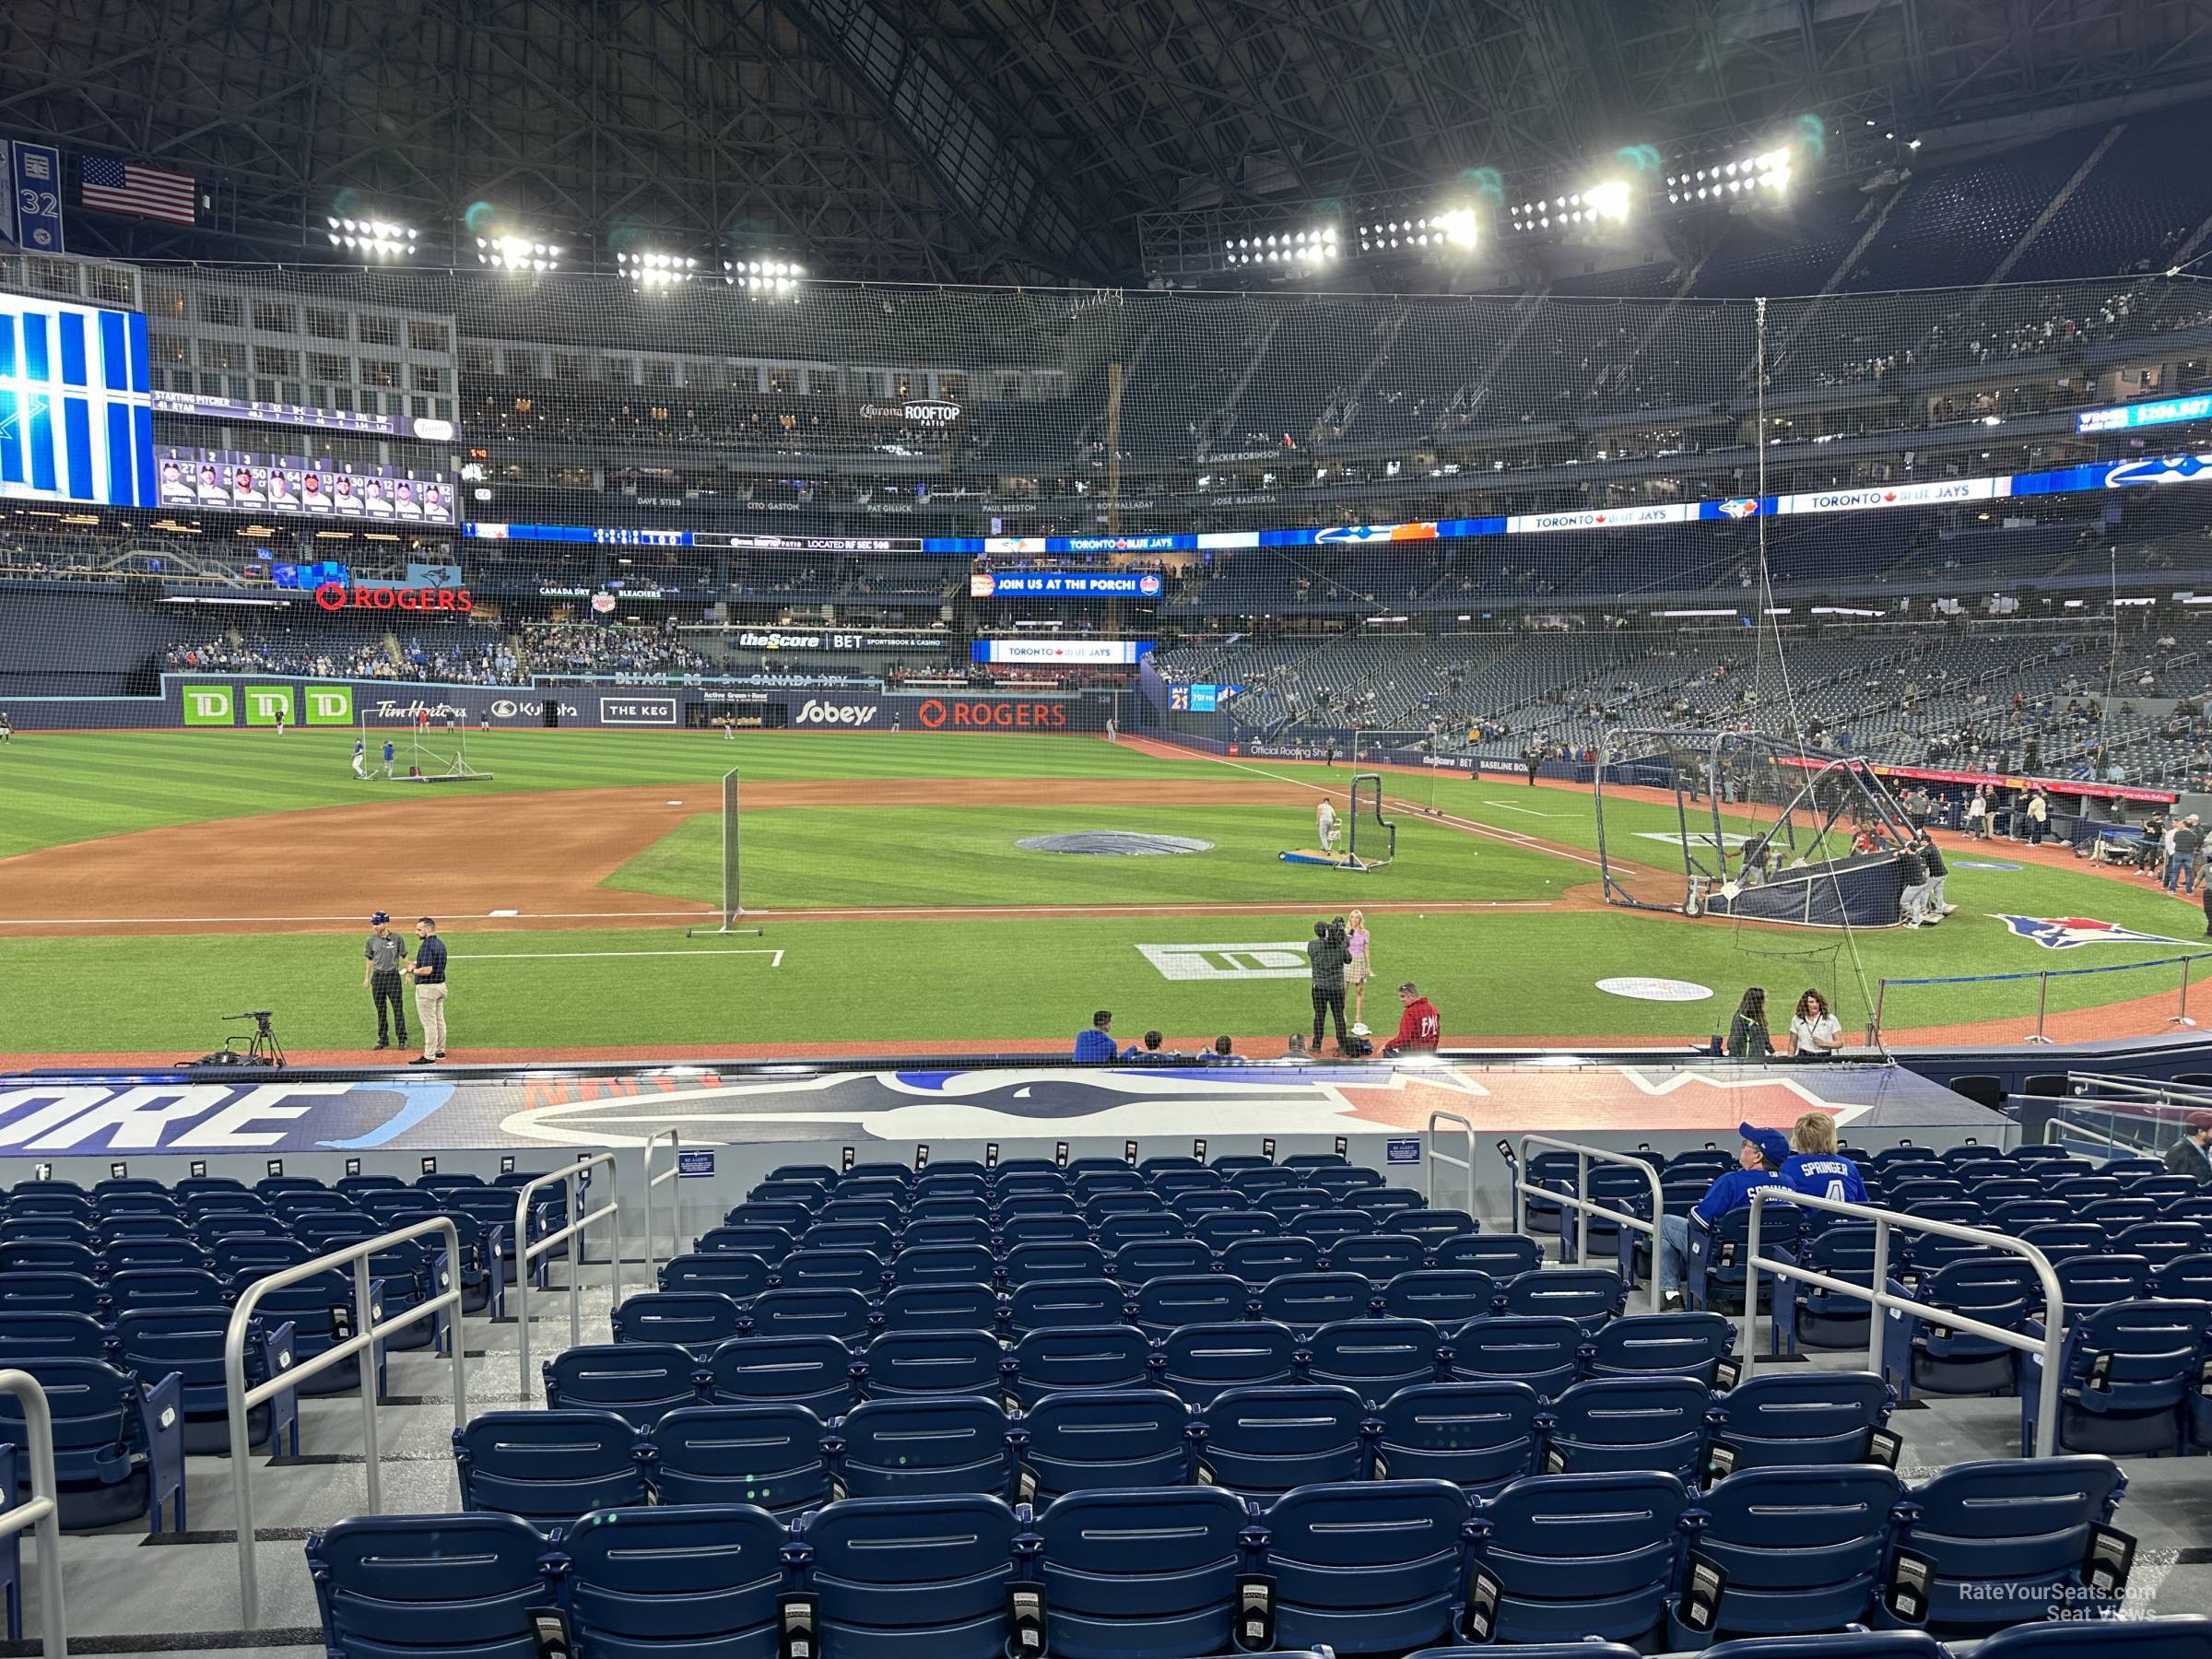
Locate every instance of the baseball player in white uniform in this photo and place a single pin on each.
(1325, 824)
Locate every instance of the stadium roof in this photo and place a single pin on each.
(993, 140)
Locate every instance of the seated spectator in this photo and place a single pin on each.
(1420, 1027)
(1759, 1161)
(1097, 1042)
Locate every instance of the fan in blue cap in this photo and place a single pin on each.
(1759, 1165)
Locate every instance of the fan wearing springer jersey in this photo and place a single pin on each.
(1815, 1167)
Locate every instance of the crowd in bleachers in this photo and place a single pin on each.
(608, 648)
(457, 657)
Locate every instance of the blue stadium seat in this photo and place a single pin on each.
(808, 1195)
(1220, 1229)
(1816, 1318)
(642, 1584)
(1797, 1419)
(1256, 1183)
(940, 1308)
(887, 1210)
(1376, 1257)
(1500, 1256)
(827, 1269)
(1542, 1350)
(1375, 1357)
(1329, 1227)
(1645, 1344)
(1477, 1435)
(821, 1175)
(1444, 1296)
(767, 1455)
(1145, 1259)
(1262, 1442)
(1257, 1260)
(44, 1229)
(1055, 1358)
(814, 1371)
(189, 1341)
(306, 1305)
(806, 1310)
(51, 1292)
(2175, 1636)
(1199, 1360)
(56, 1335)
(2161, 1241)
(1055, 1228)
(1069, 1301)
(1141, 1575)
(1305, 1302)
(1434, 1228)
(1026, 1263)
(901, 1363)
(1164, 1304)
(772, 1244)
(695, 1320)
(1714, 1269)
(1589, 1296)
(909, 1578)
(1086, 1442)
(1802, 1550)
(638, 1382)
(118, 1443)
(393, 1585)
(2100, 1280)
(934, 1232)
(2127, 1373)
(2007, 1539)
(910, 1448)
(1630, 1423)
(1370, 1567)
(1924, 1355)
(1579, 1555)
(874, 1237)
(43, 1255)
(549, 1467)
(727, 1273)
(1117, 1232)
(2014, 1215)
(945, 1265)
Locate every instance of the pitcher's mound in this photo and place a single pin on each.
(1122, 843)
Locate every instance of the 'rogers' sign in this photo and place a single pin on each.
(980, 714)
(333, 596)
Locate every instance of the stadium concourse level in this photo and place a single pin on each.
(1236, 1405)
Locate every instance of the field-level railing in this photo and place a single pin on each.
(367, 1332)
(674, 1173)
(40, 1514)
(572, 1180)
(2043, 978)
(1882, 1301)
(1437, 1154)
(1583, 1206)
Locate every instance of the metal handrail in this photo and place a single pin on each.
(676, 1204)
(1466, 1126)
(2120, 1148)
(1876, 1293)
(525, 1252)
(2136, 1090)
(1583, 1208)
(41, 1513)
(367, 1333)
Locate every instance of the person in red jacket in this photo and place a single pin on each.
(1420, 1027)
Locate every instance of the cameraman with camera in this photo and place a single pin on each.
(1327, 956)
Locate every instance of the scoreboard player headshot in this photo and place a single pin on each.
(172, 479)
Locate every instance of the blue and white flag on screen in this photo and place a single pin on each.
(76, 419)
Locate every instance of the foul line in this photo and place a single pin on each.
(1531, 811)
(542, 956)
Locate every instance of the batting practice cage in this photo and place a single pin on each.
(1748, 827)
(1376, 851)
(439, 754)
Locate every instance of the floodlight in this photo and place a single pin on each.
(1611, 198)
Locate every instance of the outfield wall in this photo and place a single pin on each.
(201, 701)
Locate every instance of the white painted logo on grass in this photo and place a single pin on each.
(1656, 990)
(1282, 958)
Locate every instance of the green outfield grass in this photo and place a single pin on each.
(1034, 979)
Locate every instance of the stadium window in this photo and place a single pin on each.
(377, 372)
(659, 371)
(212, 384)
(569, 366)
(425, 377)
(172, 348)
(275, 361)
(53, 276)
(220, 354)
(445, 407)
(427, 337)
(372, 330)
(265, 391)
(292, 390)
(953, 386)
(341, 397)
(157, 379)
(273, 316)
(222, 310)
(318, 395)
(418, 406)
(327, 324)
(112, 286)
(326, 366)
(475, 359)
(164, 299)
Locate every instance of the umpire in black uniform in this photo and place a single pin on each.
(384, 953)
(1330, 951)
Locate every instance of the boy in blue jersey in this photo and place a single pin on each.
(1759, 1164)
(1815, 1166)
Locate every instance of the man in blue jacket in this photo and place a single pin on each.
(1759, 1164)
(1097, 1042)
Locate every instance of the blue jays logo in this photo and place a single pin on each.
(2064, 933)
(1739, 507)
(2158, 469)
(1353, 533)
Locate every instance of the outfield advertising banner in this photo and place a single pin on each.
(1051, 653)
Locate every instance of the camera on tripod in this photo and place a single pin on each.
(262, 1048)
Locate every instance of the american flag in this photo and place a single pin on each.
(115, 186)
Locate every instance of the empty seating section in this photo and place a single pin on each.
(1203, 1407)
